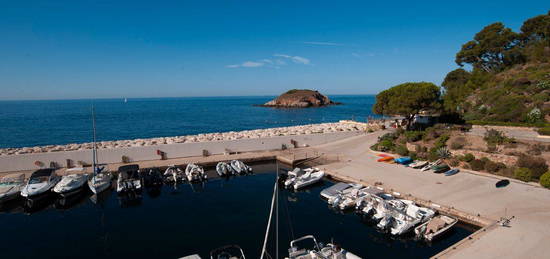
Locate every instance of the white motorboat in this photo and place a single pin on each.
(194, 173)
(385, 221)
(308, 178)
(72, 182)
(224, 169)
(330, 251)
(418, 164)
(40, 182)
(240, 168)
(334, 190)
(292, 176)
(173, 174)
(10, 186)
(435, 227)
(129, 179)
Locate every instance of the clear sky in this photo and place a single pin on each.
(104, 49)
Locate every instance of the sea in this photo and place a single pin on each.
(57, 122)
(173, 221)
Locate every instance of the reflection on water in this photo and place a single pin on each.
(171, 221)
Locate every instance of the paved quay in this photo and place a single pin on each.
(528, 234)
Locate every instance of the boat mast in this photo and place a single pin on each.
(94, 151)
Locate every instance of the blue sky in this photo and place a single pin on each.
(106, 49)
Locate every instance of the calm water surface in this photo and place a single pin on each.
(173, 222)
(35, 123)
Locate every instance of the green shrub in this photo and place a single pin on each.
(432, 156)
(457, 145)
(454, 162)
(441, 141)
(537, 165)
(413, 136)
(523, 174)
(413, 155)
(544, 131)
(491, 167)
(399, 131)
(387, 136)
(505, 123)
(385, 145)
(477, 165)
(401, 150)
(545, 180)
(468, 157)
(494, 137)
(443, 152)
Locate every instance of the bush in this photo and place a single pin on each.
(432, 156)
(494, 137)
(537, 165)
(385, 145)
(401, 150)
(413, 136)
(545, 180)
(536, 149)
(491, 167)
(477, 165)
(413, 155)
(443, 152)
(454, 162)
(468, 157)
(387, 136)
(441, 141)
(457, 145)
(523, 174)
(544, 131)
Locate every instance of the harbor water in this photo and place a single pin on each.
(174, 221)
(57, 122)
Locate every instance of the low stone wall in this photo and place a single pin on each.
(20, 162)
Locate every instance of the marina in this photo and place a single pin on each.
(161, 221)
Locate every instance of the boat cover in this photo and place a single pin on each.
(43, 172)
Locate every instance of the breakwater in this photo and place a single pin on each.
(191, 146)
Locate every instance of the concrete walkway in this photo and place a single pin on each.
(529, 233)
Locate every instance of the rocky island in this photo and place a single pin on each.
(300, 99)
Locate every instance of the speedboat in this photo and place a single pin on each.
(334, 190)
(412, 216)
(308, 178)
(240, 168)
(40, 182)
(10, 186)
(173, 174)
(72, 182)
(152, 178)
(100, 181)
(224, 169)
(435, 227)
(194, 173)
(318, 251)
(129, 179)
(292, 176)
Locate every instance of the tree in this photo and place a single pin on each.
(407, 100)
(536, 29)
(456, 89)
(490, 48)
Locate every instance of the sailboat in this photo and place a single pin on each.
(99, 181)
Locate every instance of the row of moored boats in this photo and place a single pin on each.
(391, 214)
(437, 166)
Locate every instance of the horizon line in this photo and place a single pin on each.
(159, 97)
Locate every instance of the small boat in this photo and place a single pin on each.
(334, 190)
(441, 168)
(72, 182)
(386, 159)
(331, 250)
(40, 182)
(435, 227)
(382, 155)
(308, 178)
(292, 176)
(10, 186)
(153, 178)
(403, 160)
(194, 173)
(418, 164)
(224, 169)
(240, 168)
(173, 174)
(227, 252)
(430, 165)
(452, 172)
(129, 179)
(100, 181)
(502, 183)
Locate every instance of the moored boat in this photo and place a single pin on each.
(435, 227)
(418, 164)
(72, 182)
(430, 165)
(308, 178)
(240, 168)
(10, 186)
(452, 172)
(40, 182)
(129, 178)
(173, 174)
(330, 250)
(224, 169)
(194, 172)
(441, 168)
